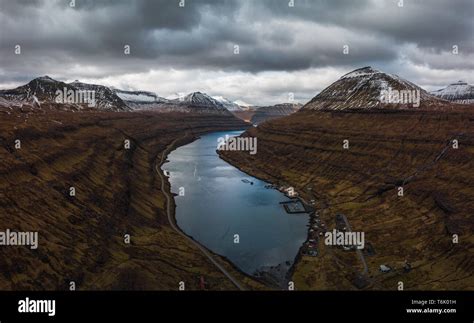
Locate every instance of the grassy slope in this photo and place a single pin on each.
(305, 151)
(117, 192)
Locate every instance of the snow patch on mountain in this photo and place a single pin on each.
(139, 96)
(459, 92)
(244, 105)
(229, 105)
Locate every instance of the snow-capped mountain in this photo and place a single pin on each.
(140, 100)
(139, 96)
(42, 88)
(459, 92)
(244, 105)
(106, 99)
(201, 99)
(42, 92)
(195, 102)
(368, 88)
(275, 111)
(47, 92)
(200, 102)
(229, 105)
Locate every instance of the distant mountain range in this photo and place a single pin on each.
(42, 92)
(142, 100)
(275, 111)
(459, 92)
(193, 102)
(362, 89)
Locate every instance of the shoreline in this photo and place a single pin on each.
(311, 215)
(187, 139)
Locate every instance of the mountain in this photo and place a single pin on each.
(201, 99)
(106, 98)
(367, 88)
(244, 105)
(43, 92)
(139, 96)
(275, 111)
(459, 92)
(245, 112)
(140, 100)
(41, 89)
(195, 102)
(229, 105)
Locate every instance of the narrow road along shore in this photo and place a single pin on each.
(174, 226)
(359, 252)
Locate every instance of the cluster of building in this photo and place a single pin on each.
(316, 230)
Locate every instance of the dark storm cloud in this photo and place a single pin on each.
(428, 23)
(88, 40)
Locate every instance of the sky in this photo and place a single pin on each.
(258, 51)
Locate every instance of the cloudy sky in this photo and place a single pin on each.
(282, 49)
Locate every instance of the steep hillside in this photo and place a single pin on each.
(275, 111)
(117, 192)
(386, 151)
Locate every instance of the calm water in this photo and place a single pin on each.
(217, 205)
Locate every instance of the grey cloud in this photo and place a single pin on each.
(57, 39)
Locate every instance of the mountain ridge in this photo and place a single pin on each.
(458, 92)
(368, 88)
(45, 90)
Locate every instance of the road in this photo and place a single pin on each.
(175, 228)
(359, 252)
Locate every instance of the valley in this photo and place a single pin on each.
(87, 180)
(117, 193)
(173, 158)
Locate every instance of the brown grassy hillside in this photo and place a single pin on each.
(386, 150)
(81, 238)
